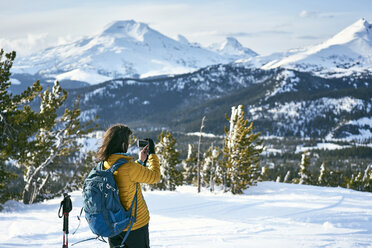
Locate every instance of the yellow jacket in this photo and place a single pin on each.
(126, 178)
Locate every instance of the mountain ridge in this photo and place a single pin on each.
(120, 49)
(280, 102)
(345, 53)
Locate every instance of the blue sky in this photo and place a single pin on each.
(266, 26)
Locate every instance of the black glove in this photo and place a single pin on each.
(151, 146)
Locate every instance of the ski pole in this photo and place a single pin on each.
(66, 206)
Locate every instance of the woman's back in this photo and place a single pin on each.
(127, 176)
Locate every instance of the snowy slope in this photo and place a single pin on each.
(121, 49)
(269, 215)
(348, 52)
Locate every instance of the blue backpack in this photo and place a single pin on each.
(103, 210)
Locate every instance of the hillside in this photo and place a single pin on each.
(280, 102)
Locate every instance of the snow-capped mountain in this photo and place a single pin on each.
(348, 52)
(232, 48)
(121, 49)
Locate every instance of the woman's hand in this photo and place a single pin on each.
(144, 153)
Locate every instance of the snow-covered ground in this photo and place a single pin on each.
(269, 215)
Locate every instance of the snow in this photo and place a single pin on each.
(81, 75)
(232, 48)
(208, 135)
(320, 146)
(346, 53)
(364, 134)
(364, 121)
(269, 215)
(14, 81)
(122, 49)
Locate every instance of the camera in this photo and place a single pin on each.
(142, 143)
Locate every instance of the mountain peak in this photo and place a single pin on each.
(359, 29)
(129, 28)
(232, 46)
(232, 42)
(363, 22)
(344, 53)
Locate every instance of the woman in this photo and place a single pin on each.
(114, 146)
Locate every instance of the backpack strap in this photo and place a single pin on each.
(117, 164)
(134, 218)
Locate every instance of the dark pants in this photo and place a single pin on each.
(136, 239)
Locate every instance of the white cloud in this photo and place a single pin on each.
(306, 14)
(317, 14)
(33, 43)
(25, 45)
(66, 39)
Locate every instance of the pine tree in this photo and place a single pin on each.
(16, 124)
(171, 176)
(337, 179)
(209, 165)
(264, 175)
(286, 178)
(241, 152)
(36, 140)
(278, 178)
(324, 178)
(5, 178)
(304, 173)
(356, 182)
(189, 166)
(367, 179)
(221, 175)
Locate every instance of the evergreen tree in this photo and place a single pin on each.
(286, 178)
(189, 166)
(36, 140)
(171, 176)
(324, 178)
(209, 165)
(264, 174)
(5, 178)
(76, 177)
(221, 175)
(356, 182)
(16, 124)
(278, 178)
(242, 148)
(304, 173)
(367, 178)
(337, 179)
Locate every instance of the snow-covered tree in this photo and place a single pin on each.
(286, 177)
(367, 179)
(324, 178)
(221, 177)
(356, 182)
(264, 174)
(304, 173)
(278, 179)
(16, 123)
(189, 166)
(171, 176)
(209, 166)
(35, 140)
(242, 148)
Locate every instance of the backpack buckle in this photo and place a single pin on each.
(108, 186)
